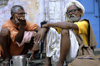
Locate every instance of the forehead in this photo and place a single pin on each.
(72, 7)
(18, 9)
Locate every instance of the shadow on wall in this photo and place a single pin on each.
(3, 3)
(34, 9)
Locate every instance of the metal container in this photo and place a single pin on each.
(19, 60)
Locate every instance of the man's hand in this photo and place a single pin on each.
(39, 36)
(22, 21)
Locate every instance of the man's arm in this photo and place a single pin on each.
(65, 25)
(40, 34)
(20, 34)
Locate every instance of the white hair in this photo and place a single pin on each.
(77, 4)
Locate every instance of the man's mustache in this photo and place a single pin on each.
(71, 16)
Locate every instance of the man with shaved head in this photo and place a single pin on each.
(17, 35)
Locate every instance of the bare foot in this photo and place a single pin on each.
(5, 63)
(48, 62)
(59, 64)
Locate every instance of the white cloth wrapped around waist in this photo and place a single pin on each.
(53, 46)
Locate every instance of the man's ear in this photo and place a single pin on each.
(12, 14)
(81, 13)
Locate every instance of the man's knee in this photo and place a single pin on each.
(5, 32)
(65, 32)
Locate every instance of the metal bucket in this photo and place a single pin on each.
(19, 60)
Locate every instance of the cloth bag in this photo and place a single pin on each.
(85, 56)
(86, 60)
(83, 49)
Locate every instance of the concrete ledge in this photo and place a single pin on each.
(97, 51)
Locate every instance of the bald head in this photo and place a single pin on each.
(15, 8)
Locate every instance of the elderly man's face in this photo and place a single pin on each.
(19, 15)
(74, 14)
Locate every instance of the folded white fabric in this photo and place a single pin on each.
(53, 44)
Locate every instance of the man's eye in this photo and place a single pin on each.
(74, 10)
(21, 13)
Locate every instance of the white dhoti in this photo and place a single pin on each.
(53, 46)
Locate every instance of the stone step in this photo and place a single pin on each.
(40, 58)
(97, 51)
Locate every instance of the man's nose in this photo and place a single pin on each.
(70, 13)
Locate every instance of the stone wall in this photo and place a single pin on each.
(3, 3)
(34, 9)
(55, 10)
(37, 10)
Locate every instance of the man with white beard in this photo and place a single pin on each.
(68, 47)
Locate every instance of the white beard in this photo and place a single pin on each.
(73, 19)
